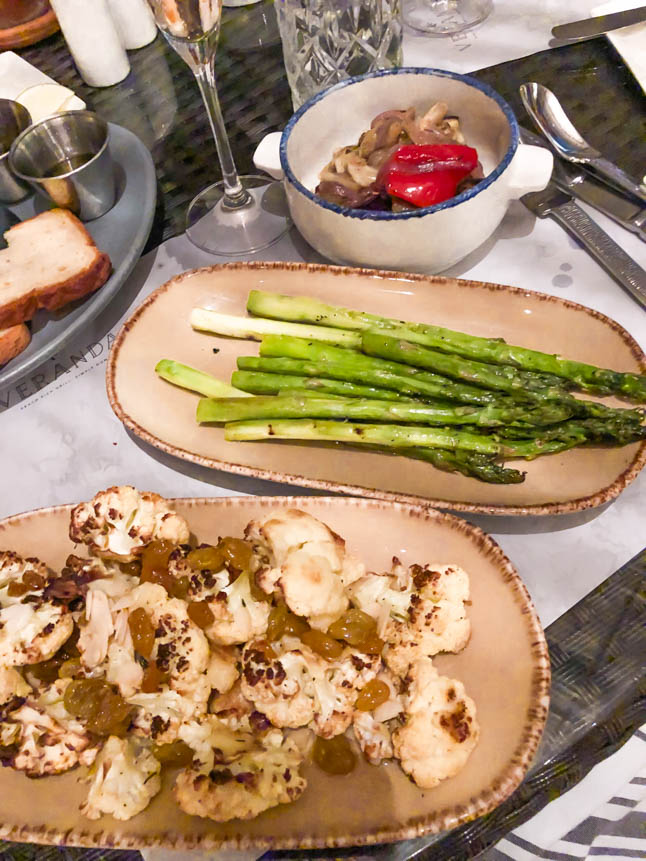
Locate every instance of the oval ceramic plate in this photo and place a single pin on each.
(505, 668)
(164, 415)
(122, 233)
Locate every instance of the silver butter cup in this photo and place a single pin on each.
(66, 158)
(14, 118)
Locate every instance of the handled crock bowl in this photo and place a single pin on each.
(423, 240)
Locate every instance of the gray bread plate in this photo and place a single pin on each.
(122, 233)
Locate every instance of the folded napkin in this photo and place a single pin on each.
(629, 42)
(16, 75)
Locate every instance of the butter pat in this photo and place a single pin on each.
(43, 100)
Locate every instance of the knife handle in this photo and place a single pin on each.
(605, 250)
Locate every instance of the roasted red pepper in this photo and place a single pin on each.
(425, 175)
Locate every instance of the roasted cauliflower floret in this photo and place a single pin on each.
(301, 558)
(243, 787)
(12, 685)
(295, 687)
(40, 737)
(32, 626)
(279, 695)
(215, 742)
(419, 612)
(125, 778)
(120, 521)
(222, 670)
(373, 737)
(237, 615)
(440, 729)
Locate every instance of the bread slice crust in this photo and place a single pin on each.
(13, 341)
(55, 294)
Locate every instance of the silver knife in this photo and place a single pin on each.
(560, 206)
(580, 183)
(588, 28)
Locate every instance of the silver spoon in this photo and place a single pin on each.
(548, 114)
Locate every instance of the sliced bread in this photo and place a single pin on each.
(50, 260)
(13, 341)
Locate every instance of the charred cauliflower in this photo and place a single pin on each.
(32, 627)
(12, 685)
(306, 562)
(212, 657)
(373, 737)
(419, 611)
(40, 737)
(237, 615)
(440, 729)
(244, 786)
(295, 687)
(125, 777)
(120, 521)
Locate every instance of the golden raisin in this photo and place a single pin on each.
(358, 629)
(256, 592)
(69, 668)
(276, 623)
(142, 632)
(236, 552)
(100, 705)
(206, 558)
(33, 580)
(177, 753)
(282, 622)
(153, 679)
(322, 644)
(200, 613)
(131, 568)
(16, 588)
(371, 695)
(154, 564)
(295, 626)
(334, 755)
(181, 587)
(46, 671)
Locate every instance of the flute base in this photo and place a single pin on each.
(230, 231)
(445, 17)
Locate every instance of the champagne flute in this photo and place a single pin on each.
(240, 213)
(445, 17)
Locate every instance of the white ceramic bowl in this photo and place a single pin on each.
(422, 240)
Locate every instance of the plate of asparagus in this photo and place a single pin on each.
(461, 394)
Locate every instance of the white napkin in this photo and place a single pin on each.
(17, 74)
(630, 42)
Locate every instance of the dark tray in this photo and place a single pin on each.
(597, 647)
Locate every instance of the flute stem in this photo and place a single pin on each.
(235, 195)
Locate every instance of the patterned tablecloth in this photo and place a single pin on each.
(563, 560)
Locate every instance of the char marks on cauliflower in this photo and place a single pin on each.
(32, 626)
(244, 786)
(40, 738)
(440, 729)
(237, 616)
(120, 521)
(183, 634)
(293, 686)
(373, 737)
(420, 611)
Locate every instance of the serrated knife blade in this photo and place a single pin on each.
(555, 203)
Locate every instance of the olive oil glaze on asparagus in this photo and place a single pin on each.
(460, 402)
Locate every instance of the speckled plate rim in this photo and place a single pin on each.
(443, 820)
(602, 496)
